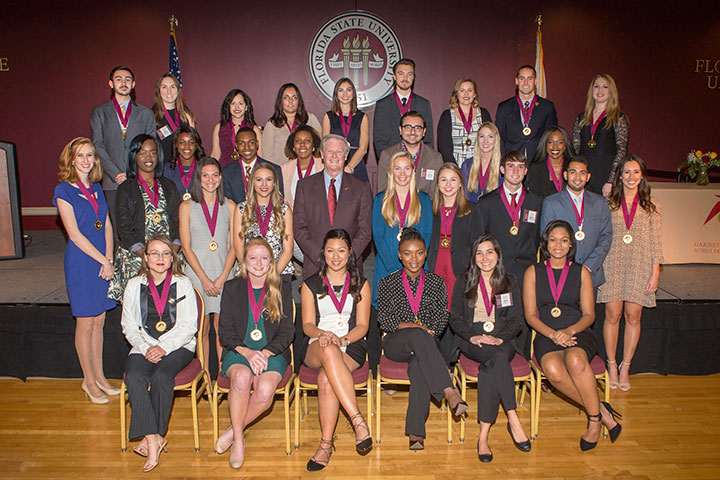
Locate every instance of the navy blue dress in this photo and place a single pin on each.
(353, 139)
(86, 290)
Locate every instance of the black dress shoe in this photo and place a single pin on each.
(615, 431)
(327, 446)
(484, 457)
(584, 444)
(522, 446)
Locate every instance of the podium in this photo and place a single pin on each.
(11, 235)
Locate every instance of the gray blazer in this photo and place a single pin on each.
(108, 140)
(597, 226)
(387, 120)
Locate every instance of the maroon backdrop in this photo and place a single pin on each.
(59, 56)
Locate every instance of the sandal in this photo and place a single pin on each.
(313, 465)
(625, 386)
(149, 464)
(141, 448)
(364, 445)
(612, 384)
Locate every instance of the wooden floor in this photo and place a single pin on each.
(670, 430)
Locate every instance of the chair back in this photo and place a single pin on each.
(201, 324)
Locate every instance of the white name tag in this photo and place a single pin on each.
(427, 174)
(164, 132)
(503, 300)
(530, 216)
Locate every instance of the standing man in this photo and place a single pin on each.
(113, 125)
(512, 215)
(589, 215)
(522, 119)
(427, 160)
(388, 110)
(236, 174)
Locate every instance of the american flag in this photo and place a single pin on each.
(174, 57)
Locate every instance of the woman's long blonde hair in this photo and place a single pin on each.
(273, 298)
(473, 183)
(66, 167)
(461, 202)
(389, 209)
(248, 216)
(612, 110)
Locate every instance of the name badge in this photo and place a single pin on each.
(530, 216)
(164, 132)
(503, 300)
(427, 174)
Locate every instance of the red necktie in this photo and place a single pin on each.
(513, 202)
(332, 201)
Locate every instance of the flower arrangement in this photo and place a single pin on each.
(698, 163)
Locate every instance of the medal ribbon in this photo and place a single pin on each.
(211, 219)
(186, 178)
(263, 222)
(414, 301)
(124, 119)
(593, 127)
(526, 114)
(256, 307)
(173, 124)
(467, 122)
(406, 108)
(160, 302)
(402, 211)
(309, 168)
(345, 126)
(557, 288)
(487, 299)
(629, 216)
(339, 304)
(154, 194)
(416, 157)
(555, 179)
(90, 195)
(483, 178)
(294, 125)
(579, 216)
(447, 215)
(514, 214)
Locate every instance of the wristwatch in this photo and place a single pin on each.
(346, 340)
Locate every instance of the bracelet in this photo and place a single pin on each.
(346, 341)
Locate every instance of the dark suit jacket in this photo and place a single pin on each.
(444, 136)
(234, 308)
(430, 159)
(460, 243)
(597, 227)
(233, 174)
(509, 321)
(519, 251)
(108, 140)
(387, 120)
(509, 123)
(131, 211)
(311, 220)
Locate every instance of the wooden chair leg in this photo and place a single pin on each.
(123, 418)
(286, 407)
(463, 392)
(216, 413)
(368, 393)
(195, 397)
(378, 394)
(297, 413)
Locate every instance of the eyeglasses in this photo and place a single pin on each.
(142, 154)
(410, 128)
(156, 255)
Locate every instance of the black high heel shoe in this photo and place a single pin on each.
(615, 431)
(522, 446)
(312, 464)
(365, 445)
(584, 444)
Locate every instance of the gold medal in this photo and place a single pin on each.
(591, 143)
(186, 196)
(213, 246)
(445, 243)
(256, 335)
(468, 142)
(156, 218)
(124, 133)
(417, 321)
(627, 238)
(514, 230)
(526, 131)
(555, 311)
(579, 235)
(489, 326)
(98, 225)
(161, 326)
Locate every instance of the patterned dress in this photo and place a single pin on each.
(273, 237)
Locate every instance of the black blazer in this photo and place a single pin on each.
(131, 211)
(509, 321)
(460, 244)
(510, 125)
(444, 135)
(490, 216)
(233, 322)
(233, 185)
(538, 180)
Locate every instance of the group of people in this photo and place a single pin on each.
(475, 247)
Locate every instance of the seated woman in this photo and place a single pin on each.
(256, 329)
(336, 324)
(486, 316)
(412, 310)
(560, 307)
(159, 320)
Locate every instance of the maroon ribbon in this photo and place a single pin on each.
(416, 157)
(483, 178)
(255, 306)
(90, 195)
(414, 301)
(124, 119)
(160, 302)
(154, 196)
(557, 288)
(514, 214)
(487, 299)
(173, 124)
(294, 125)
(555, 179)
(186, 178)
(308, 171)
(579, 216)
(264, 222)
(594, 125)
(629, 216)
(526, 114)
(345, 126)
(467, 122)
(447, 215)
(339, 304)
(406, 108)
(211, 219)
(402, 211)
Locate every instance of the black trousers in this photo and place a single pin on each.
(495, 378)
(426, 370)
(374, 341)
(151, 408)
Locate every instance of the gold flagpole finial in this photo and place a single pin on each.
(173, 22)
(538, 20)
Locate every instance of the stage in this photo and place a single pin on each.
(680, 336)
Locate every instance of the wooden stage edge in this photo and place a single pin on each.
(670, 424)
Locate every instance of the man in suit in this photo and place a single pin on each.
(522, 119)
(113, 126)
(389, 109)
(237, 174)
(512, 215)
(427, 160)
(589, 215)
